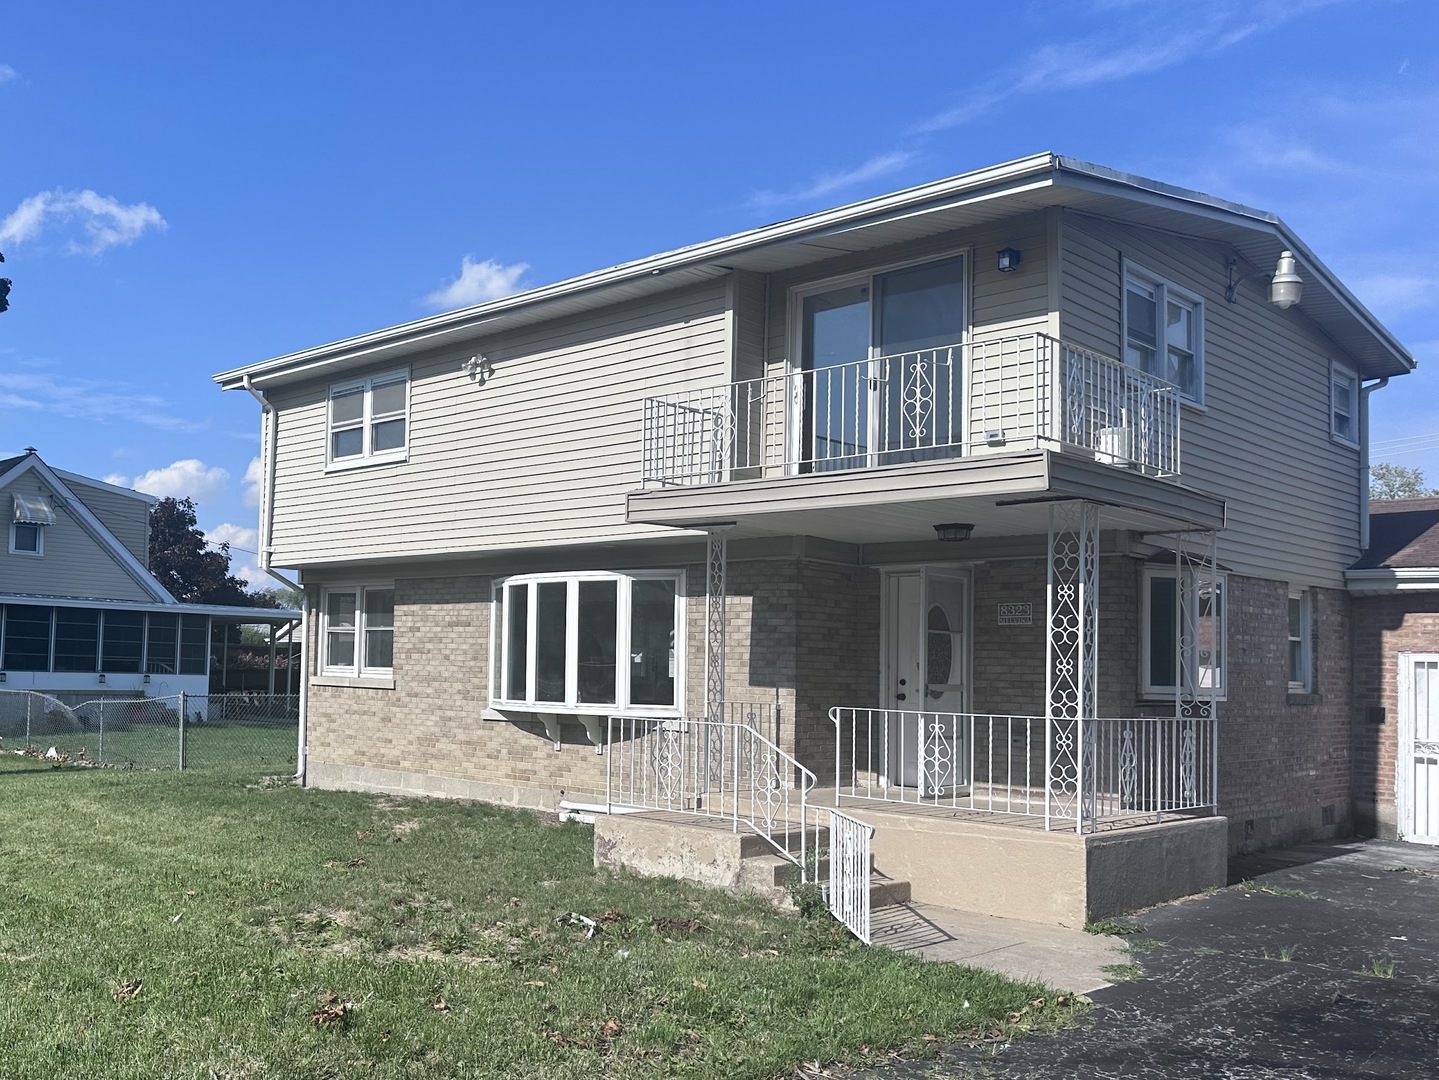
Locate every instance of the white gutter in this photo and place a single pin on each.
(269, 439)
(1364, 392)
(1385, 579)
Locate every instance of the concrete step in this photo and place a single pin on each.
(753, 844)
(772, 876)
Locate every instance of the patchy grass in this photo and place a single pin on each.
(1121, 973)
(1380, 969)
(1284, 952)
(1113, 927)
(202, 925)
(1277, 890)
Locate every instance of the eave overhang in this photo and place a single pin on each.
(1391, 580)
(986, 195)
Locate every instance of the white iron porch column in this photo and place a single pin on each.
(1198, 661)
(715, 623)
(1071, 659)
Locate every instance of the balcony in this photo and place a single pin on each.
(1031, 392)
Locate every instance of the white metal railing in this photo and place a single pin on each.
(711, 769)
(847, 893)
(1019, 392)
(1128, 770)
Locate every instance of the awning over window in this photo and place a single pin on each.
(34, 509)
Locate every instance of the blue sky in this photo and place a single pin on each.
(188, 187)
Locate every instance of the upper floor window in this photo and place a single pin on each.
(369, 419)
(359, 631)
(26, 539)
(589, 642)
(1343, 405)
(1164, 331)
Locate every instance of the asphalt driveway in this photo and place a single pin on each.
(1318, 962)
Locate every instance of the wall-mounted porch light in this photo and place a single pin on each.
(102, 677)
(1008, 260)
(1285, 287)
(953, 533)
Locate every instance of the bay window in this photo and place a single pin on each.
(588, 642)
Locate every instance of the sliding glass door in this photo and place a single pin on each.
(881, 368)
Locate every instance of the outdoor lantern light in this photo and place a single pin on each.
(1008, 260)
(953, 533)
(1286, 286)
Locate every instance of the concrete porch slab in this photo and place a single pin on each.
(1065, 959)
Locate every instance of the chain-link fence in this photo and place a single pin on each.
(184, 731)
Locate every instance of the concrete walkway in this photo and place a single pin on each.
(1065, 959)
(1318, 963)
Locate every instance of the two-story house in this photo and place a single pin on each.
(1009, 512)
(82, 617)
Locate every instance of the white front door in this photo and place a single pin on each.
(1417, 760)
(925, 670)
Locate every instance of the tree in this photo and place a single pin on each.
(185, 563)
(278, 598)
(1396, 482)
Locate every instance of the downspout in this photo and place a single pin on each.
(1364, 392)
(268, 445)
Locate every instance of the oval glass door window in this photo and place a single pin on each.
(939, 650)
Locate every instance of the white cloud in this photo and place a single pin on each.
(103, 222)
(1151, 39)
(253, 478)
(190, 478)
(244, 544)
(118, 479)
(9, 74)
(478, 282)
(828, 183)
(1391, 295)
(93, 400)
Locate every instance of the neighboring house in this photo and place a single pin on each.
(920, 488)
(1396, 672)
(81, 616)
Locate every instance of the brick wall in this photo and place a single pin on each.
(1384, 627)
(1284, 761)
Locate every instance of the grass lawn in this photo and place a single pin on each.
(199, 924)
(157, 746)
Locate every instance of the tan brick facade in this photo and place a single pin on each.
(804, 635)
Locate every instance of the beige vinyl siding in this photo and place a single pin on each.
(542, 453)
(1261, 442)
(127, 517)
(74, 563)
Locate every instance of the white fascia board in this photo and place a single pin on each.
(1386, 580)
(75, 506)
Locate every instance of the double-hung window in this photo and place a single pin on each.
(1301, 641)
(369, 420)
(359, 630)
(1343, 405)
(589, 642)
(1164, 331)
(1183, 629)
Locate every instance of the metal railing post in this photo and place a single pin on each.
(184, 709)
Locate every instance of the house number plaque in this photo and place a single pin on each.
(1016, 614)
